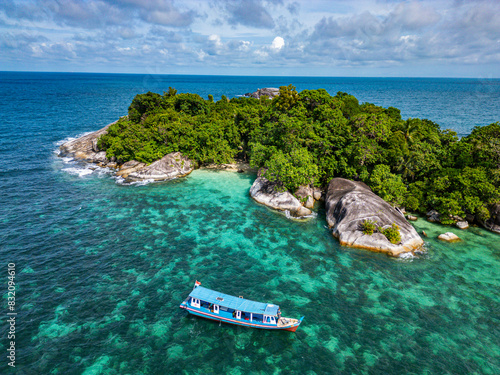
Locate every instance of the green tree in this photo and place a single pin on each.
(288, 97)
(191, 104)
(387, 185)
(170, 93)
(392, 233)
(311, 137)
(142, 104)
(348, 104)
(291, 170)
(368, 226)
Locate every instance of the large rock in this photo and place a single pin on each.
(129, 167)
(305, 194)
(318, 194)
(433, 216)
(170, 166)
(270, 92)
(449, 237)
(493, 223)
(350, 203)
(265, 192)
(85, 147)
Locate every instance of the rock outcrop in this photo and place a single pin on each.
(170, 166)
(464, 224)
(85, 147)
(129, 167)
(305, 194)
(493, 223)
(318, 194)
(265, 192)
(270, 92)
(449, 237)
(433, 216)
(350, 203)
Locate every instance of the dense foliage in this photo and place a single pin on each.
(368, 227)
(311, 137)
(391, 233)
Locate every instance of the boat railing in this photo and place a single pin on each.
(244, 316)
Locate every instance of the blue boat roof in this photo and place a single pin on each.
(232, 302)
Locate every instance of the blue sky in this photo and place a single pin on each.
(452, 38)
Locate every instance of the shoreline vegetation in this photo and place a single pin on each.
(300, 142)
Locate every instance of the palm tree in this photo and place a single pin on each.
(406, 166)
(409, 130)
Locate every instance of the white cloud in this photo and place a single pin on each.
(278, 43)
(413, 16)
(244, 45)
(251, 13)
(201, 55)
(215, 39)
(243, 34)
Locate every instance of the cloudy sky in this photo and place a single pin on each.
(439, 38)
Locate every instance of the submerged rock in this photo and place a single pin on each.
(85, 147)
(170, 166)
(265, 192)
(462, 224)
(449, 237)
(350, 203)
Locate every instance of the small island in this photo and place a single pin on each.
(309, 146)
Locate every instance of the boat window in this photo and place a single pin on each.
(195, 302)
(273, 320)
(238, 314)
(216, 309)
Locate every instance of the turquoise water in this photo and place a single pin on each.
(102, 267)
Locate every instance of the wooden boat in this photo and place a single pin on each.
(221, 307)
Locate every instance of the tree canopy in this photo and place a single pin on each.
(311, 137)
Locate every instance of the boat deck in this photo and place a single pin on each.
(283, 322)
(218, 306)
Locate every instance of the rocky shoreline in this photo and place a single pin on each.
(85, 148)
(239, 167)
(348, 203)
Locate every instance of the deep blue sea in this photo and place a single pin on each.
(101, 267)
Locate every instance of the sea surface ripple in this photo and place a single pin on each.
(101, 267)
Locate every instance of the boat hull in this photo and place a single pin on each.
(239, 322)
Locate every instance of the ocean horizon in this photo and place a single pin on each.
(101, 267)
(247, 75)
